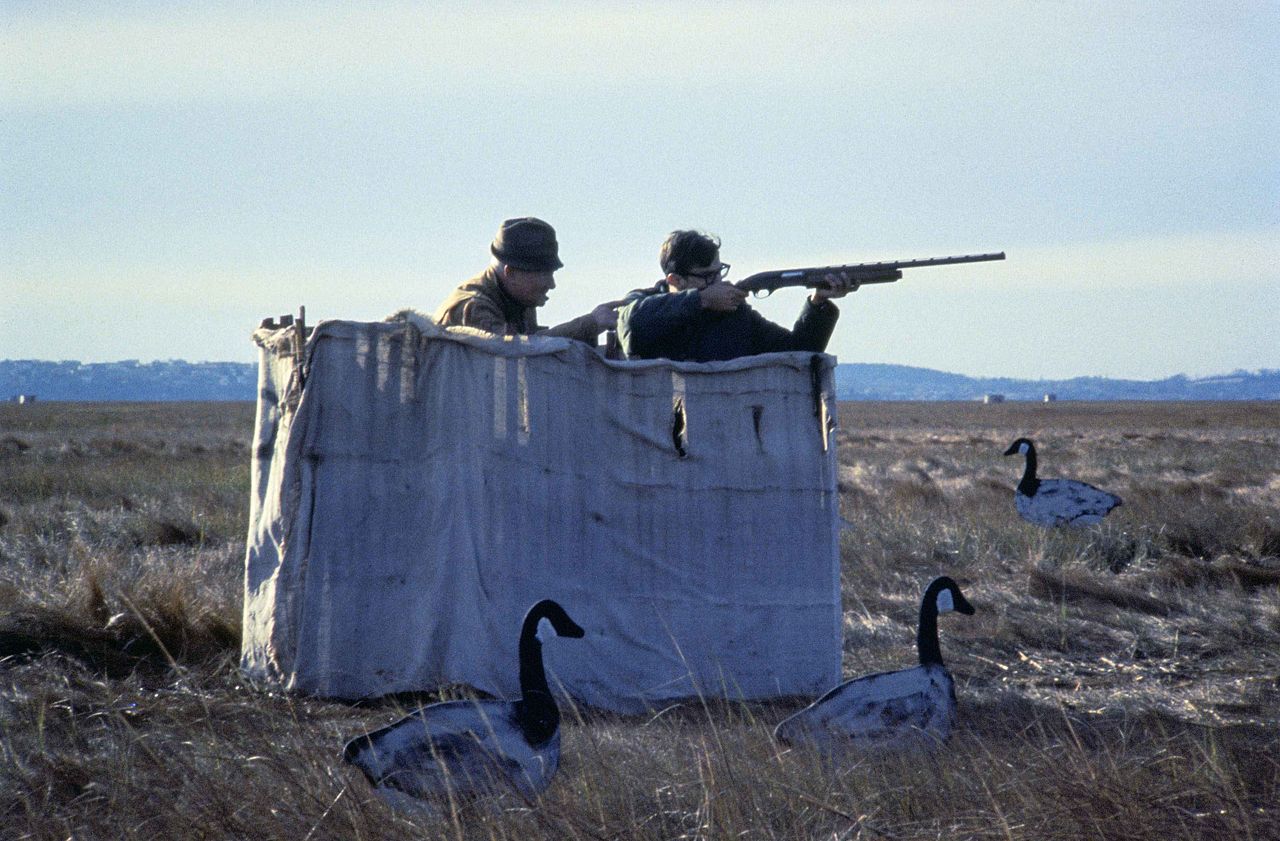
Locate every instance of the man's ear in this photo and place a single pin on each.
(675, 282)
(504, 275)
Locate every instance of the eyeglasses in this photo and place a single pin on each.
(711, 274)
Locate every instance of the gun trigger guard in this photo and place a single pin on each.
(762, 293)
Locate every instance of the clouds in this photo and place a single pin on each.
(1098, 145)
(878, 49)
(328, 51)
(1215, 259)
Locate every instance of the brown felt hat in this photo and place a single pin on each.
(527, 243)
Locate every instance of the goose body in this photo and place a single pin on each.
(890, 708)
(474, 747)
(1057, 502)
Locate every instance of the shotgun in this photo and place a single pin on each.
(763, 283)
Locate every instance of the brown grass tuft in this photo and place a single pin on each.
(1073, 585)
(1220, 572)
(163, 531)
(11, 445)
(1262, 539)
(912, 492)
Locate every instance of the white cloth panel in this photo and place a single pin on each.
(431, 485)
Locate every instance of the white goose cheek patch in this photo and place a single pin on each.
(945, 602)
(1022, 448)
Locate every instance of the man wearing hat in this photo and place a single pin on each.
(504, 298)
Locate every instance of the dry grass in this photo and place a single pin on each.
(1117, 682)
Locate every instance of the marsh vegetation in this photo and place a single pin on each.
(1121, 681)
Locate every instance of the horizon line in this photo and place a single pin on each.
(1237, 372)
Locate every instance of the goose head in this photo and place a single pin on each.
(944, 594)
(1029, 484)
(941, 596)
(1021, 446)
(555, 614)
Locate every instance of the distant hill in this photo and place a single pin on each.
(901, 382)
(178, 380)
(173, 379)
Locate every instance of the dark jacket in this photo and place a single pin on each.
(655, 323)
(482, 303)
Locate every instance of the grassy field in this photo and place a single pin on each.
(1121, 681)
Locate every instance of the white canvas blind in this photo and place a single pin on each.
(415, 490)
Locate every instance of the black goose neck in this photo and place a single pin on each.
(927, 634)
(533, 677)
(1029, 482)
(536, 710)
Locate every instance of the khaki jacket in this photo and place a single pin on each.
(482, 303)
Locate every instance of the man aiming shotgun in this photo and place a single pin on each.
(690, 315)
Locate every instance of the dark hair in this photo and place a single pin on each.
(684, 250)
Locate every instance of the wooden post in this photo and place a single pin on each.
(299, 341)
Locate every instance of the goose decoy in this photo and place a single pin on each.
(474, 747)
(891, 708)
(1057, 502)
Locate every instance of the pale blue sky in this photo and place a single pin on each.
(171, 173)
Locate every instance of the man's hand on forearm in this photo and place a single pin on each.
(605, 315)
(838, 285)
